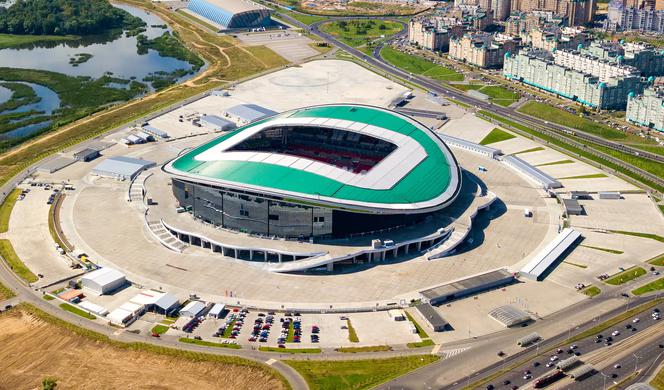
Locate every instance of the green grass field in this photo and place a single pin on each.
(21, 270)
(372, 348)
(658, 381)
(303, 18)
(496, 135)
(207, 343)
(357, 33)
(655, 285)
(420, 331)
(6, 209)
(9, 40)
(356, 374)
(626, 276)
(419, 65)
(77, 311)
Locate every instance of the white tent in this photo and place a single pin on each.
(192, 309)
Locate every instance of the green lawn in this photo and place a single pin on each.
(650, 166)
(420, 331)
(553, 114)
(496, 93)
(303, 18)
(591, 291)
(207, 343)
(373, 348)
(649, 287)
(658, 381)
(160, 329)
(6, 209)
(626, 276)
(496, 135)
(657, 260)
(356, 374)
(77, 311)
(419, 65)
(536, 149)
(360, 32)
(560, 162)
(9, 40)
(608, 250)
(21, 270)
(420, 344)
(352, 334)
(290, 350)
(642, 235)
(591, 176)
(228, 330)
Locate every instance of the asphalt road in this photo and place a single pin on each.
(557, 131)
(537, 367)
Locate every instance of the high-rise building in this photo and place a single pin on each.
(621, 18)
(577, 12)
(648, 109)
(599, 85)
(483, 49)
(501, 9)
(428, 35)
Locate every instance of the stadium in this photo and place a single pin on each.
(322, 171)
(232, 14)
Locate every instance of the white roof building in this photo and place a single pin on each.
(156, 300)
(216, 310)
(121, 167)
(103, 280)
(192, 309)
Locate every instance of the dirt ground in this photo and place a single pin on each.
(33, 349)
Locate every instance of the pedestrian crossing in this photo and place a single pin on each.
(449, 353)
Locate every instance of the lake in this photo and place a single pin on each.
(113, 53)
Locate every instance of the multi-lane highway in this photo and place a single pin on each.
(559, 132)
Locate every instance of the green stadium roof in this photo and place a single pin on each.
(424, 176)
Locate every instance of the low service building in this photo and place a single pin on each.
(103, 281)
(121, 167)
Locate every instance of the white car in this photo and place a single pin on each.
(550, 364)
(615, 333)
(554, 358)
(617, 366)
(636, 320)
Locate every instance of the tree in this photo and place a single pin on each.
(49, 383)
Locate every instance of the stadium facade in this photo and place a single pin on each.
(331, 170)
(232, 14)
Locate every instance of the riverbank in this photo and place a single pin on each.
(13, 41)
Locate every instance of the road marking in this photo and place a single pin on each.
(453, 352)
(436, 348)
(270, 362)
(118, 332)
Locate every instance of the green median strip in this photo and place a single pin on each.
(208, 343)
(612, 251)
(420, 331)
(77, 311)
(290, 350)
(575, 264)
(356, 374)
(590, 176)
(372, 348)
(15, 264)
(626, 276)
(655, 285)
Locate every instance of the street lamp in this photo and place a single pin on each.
(636, 364)
(604, 376)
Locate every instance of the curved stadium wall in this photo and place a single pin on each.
(250, 18)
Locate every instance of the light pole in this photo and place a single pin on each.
(604, 376)
(636, 364)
